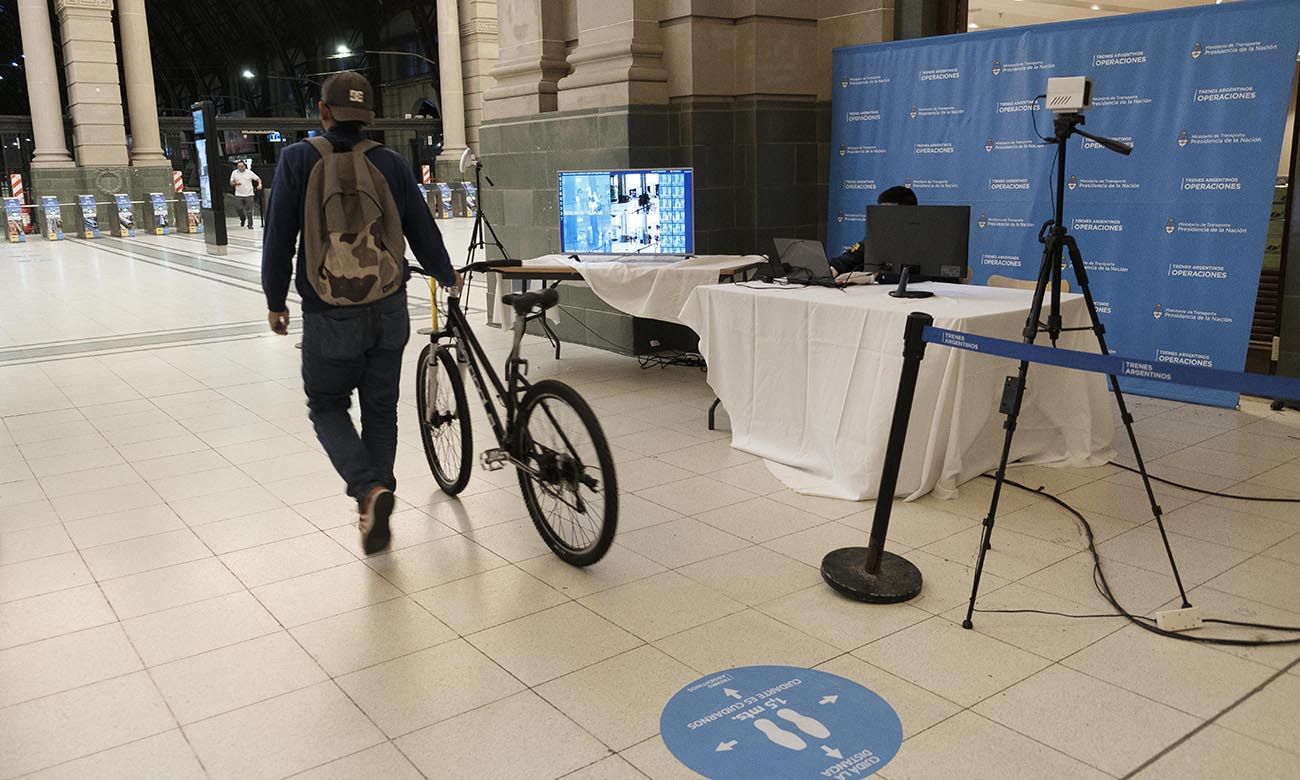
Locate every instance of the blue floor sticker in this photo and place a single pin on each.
(780, 723)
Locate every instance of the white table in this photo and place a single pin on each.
(650, 286)
(809, 376)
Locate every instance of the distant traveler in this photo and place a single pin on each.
(347, 203)
(854, 258)
(243, 180)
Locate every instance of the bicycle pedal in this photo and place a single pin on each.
(494, 460)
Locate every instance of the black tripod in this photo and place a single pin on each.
(482, 228)
(1056, 241)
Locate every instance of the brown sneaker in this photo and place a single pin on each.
(375, 534)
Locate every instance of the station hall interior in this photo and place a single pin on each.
(664, 501)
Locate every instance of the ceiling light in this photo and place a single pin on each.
(343, 49)
(1096, 7)
(972, 26)
(248, 74)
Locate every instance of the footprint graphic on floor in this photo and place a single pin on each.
(786, 739)
(807, 725)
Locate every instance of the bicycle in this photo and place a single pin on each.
(548, 432)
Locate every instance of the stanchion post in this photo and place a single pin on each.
(869, 573)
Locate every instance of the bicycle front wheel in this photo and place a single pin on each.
(566, 473)
(444, 419)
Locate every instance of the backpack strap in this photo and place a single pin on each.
(321, 145)
(364, 145)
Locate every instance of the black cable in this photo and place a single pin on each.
(666, 358)
(619, 348)
(1045, 612)
(1268, 626)
(1103, 587)
(1033, 114)
(1203, 491)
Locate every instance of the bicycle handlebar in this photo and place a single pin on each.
(487, 265)
(482, 265)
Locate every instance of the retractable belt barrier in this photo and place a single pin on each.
(875, 575)
(1287, 388)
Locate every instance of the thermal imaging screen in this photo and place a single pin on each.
(627, 212)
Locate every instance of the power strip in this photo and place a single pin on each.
(1179, 619)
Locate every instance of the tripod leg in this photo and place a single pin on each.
(1012, 398)
(1081, 273)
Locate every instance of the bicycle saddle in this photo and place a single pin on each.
(524, 302)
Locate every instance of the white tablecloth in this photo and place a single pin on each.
(652, 286)
(809, 376)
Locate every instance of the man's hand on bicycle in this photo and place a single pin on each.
(279, 321)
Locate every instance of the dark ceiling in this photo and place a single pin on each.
(202, 47)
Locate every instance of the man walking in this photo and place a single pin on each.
(349, 205)
(243, 180)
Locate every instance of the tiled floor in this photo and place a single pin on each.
(181, 588)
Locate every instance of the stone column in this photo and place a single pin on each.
(478, 40)
(449, 80)
(619, 57)
(94, 92)
(141, 99)
(531, 59)
(42, 85)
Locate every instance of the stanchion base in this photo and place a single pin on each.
(845, 570)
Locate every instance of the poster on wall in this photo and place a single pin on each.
(444, 201)
(53, 218)
(471, 198)
(125, 216)
(193, 213)
(14, 220)
(161, 223)
(1173, 236)
(89, 216)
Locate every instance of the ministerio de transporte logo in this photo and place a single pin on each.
(844, 81)
(912, 114)
(1073, 184)
(997, 67)
(843, 150)
(1158, 312)
(983, 221)
(1197, 50)
(1171, 226)
(988, 145)
(1183, 139)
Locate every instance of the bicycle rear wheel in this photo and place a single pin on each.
(566, 473)
(444, 419)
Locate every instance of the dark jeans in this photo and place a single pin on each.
(244, 205)
(356, 348)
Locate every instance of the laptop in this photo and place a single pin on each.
(804, 259)
(932, 241)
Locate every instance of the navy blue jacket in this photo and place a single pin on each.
(285, 220)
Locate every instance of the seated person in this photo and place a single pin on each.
(854, 258)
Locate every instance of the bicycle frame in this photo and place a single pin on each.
(470, 352)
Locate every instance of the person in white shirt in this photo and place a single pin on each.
(244, 180)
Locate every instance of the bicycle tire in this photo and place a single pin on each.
(541, 495)
(451, 466)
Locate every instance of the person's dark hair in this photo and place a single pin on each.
(897, 196)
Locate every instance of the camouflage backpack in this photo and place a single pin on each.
(352, 228)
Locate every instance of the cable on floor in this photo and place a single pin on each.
(1145, 623)
(1205, 492)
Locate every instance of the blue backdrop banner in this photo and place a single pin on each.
(1172, 236)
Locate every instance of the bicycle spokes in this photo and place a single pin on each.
(557, 458)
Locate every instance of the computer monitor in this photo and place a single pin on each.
(931, 242)
(627, 212)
